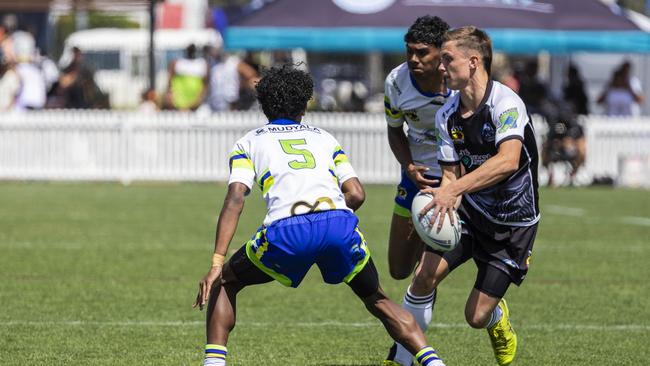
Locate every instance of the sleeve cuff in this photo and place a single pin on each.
(449, 163)
(511, 137)
(241, 180)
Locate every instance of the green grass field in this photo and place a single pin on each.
(101, 274)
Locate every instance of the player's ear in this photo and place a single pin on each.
(474, 62)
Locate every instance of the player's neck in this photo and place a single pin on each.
(472, 95)
(431, 83)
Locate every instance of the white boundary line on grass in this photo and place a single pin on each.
(550, 326)
(580, 212)
(636, 220)
(564, 210)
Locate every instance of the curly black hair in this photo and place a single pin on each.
(428, 30)
(283, 92)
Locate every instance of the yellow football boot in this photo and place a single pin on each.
(503, 337)
(390, 363)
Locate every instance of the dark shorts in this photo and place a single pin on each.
(506, 249)
(406, 191)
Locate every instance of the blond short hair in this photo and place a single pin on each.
(475, 39)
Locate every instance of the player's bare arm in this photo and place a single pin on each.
(354, 193)
(233, 205)
(494, 170)
(450, 174)
(399, 145)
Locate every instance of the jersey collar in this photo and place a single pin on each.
(427, 94)
(283, 121)
(488, 91)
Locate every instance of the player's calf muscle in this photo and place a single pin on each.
(403, 249)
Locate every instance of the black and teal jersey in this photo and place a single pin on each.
(471, 141)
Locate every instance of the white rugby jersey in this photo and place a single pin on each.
(299, 168)
(404, 102)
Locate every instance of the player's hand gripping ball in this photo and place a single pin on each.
(444, 240)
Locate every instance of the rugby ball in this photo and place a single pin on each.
(444, 239)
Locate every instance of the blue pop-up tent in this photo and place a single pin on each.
(516, 26)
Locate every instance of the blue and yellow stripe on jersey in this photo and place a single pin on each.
(390, 112)
(331, 170)
(339, 156)
(265, 181)
(239, 159)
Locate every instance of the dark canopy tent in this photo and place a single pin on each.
(516, 26)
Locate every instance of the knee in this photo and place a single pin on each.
(476, 318)
(398, 273)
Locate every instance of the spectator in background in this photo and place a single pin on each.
(636, 86)
(49, 69)
(188, 79)
(247, 95)
(229, 78)
(504, 73)
(32, 91)
(6, 42)
(622, 94)
(9, 80)
(9, 86)
(148, 104)
(565, 140)
(76, 87)
(574, 91)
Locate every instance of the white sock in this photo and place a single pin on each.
(214, 362)
(421, 307)
(494, 317)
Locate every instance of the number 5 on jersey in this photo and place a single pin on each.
(288, 146)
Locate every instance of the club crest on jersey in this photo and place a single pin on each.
(457, 135)
(507, 120)
(412, 115)
(487, 132)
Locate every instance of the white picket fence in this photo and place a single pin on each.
(127, 146)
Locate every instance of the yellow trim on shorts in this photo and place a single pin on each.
(258, 263)
(401, 211)
(362, 263)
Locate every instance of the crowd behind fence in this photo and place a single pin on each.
(174, 146)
